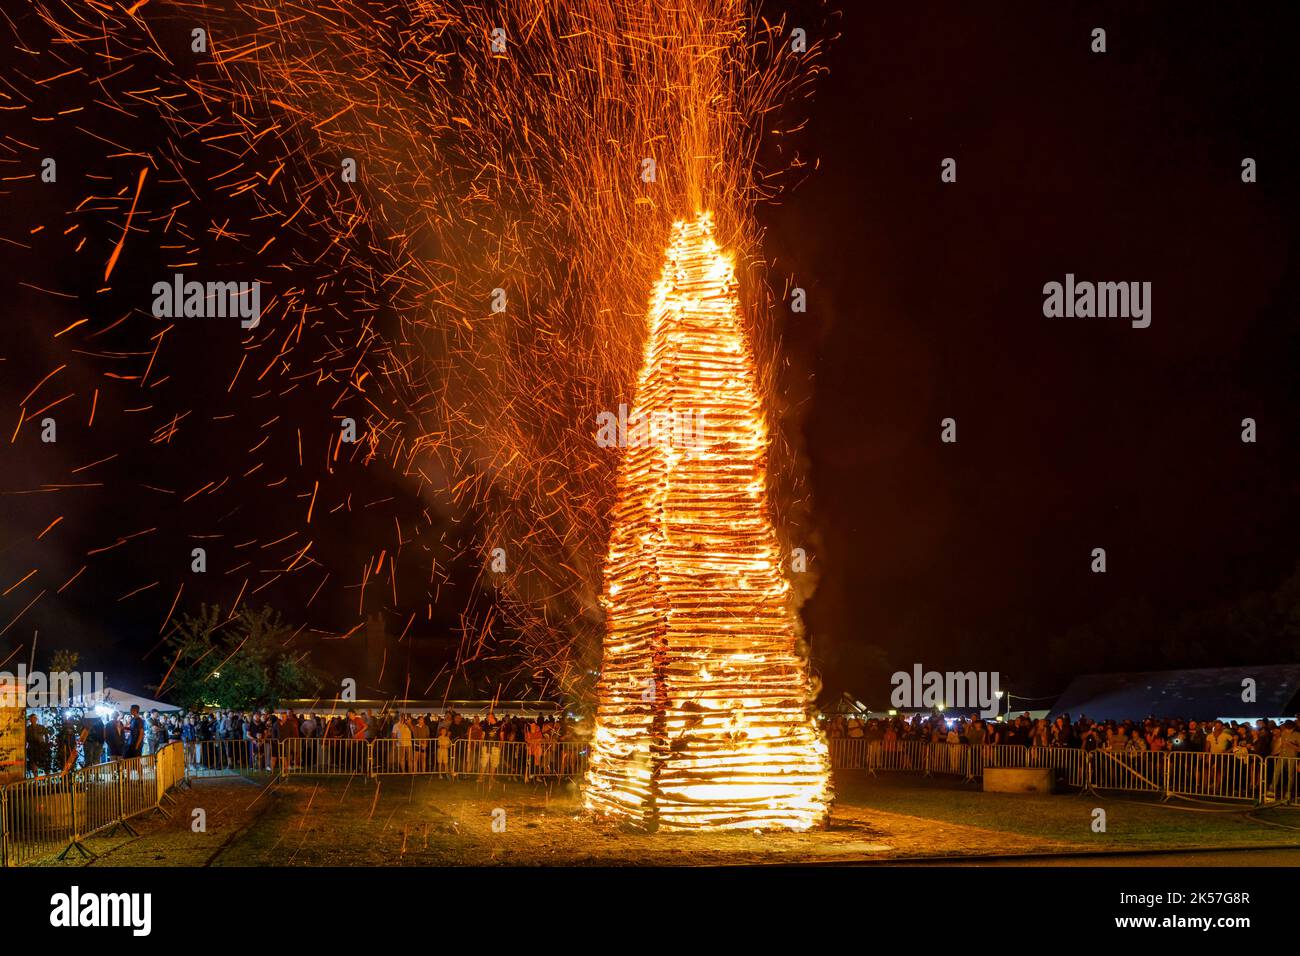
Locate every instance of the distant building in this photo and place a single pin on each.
(467, 708)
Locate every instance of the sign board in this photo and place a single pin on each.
(13, 715)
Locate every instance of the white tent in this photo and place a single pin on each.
(119, 700)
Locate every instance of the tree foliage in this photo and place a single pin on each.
(64, 662)
(235, 662)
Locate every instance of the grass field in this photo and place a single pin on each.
(1131, 823)
(417, 821)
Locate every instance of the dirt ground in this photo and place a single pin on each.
(420, 822)
(417, 821)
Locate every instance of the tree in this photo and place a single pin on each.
(63, 683)
(64, 662)
(235, 662)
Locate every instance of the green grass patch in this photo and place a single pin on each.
(1130, 823)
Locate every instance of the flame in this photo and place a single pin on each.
(703, 717)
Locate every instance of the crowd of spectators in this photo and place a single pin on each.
(1263, 738)
(429, 742)
(417, 743)
(55, 743)
(256, 740)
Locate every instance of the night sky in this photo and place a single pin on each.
(925, 302)
(1072, 433)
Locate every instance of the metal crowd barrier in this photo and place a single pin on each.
(925, 756)
(507, 759)
(1069, 763)
(1282, 780)
(1220, 776)
(98, 795)
(554, 758)
(857, 753)
(443, 757)
(1216, 776)
(848, 753)
(1227, 776)
(139, 784)
(170, 767)
(1137, 771)
(224, 758)
(41, 815)
(943, 757)
(897, 755)
(1178, 773)
(326, 756)
(1004, 755)
(37, 817)
(393, 756)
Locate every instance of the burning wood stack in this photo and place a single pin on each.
(704, 704)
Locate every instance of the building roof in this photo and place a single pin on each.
(468, 707)
(120, 700)
(1202, 694)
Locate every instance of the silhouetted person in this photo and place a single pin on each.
(134, 733)
(38, 747)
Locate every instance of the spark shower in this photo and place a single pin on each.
(386, 174)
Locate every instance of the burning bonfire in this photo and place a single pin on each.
(703, 713)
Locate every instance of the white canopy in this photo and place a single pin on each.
(120, 700)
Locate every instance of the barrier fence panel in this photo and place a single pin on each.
(391, 755)
(171, 767)
(1221, 776)
(1281, 783)
(445, 759)
(521, 760)
(1140, 771)
(235, 757)
(858, 753)
(490, 758)
(97, 797)
(37, 818)
(513, 761)
(1003, 755)
(438, 757)
(564, 758)
(1069, 763)
(897, 755)
(333, 756)
(43, 815)
(139, 787)
(848, 753)
(943, 757)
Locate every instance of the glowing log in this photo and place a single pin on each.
(704, 705)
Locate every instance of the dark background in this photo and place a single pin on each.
(925, 302)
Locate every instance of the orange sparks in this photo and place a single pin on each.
(117, 250)
(48, 527)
